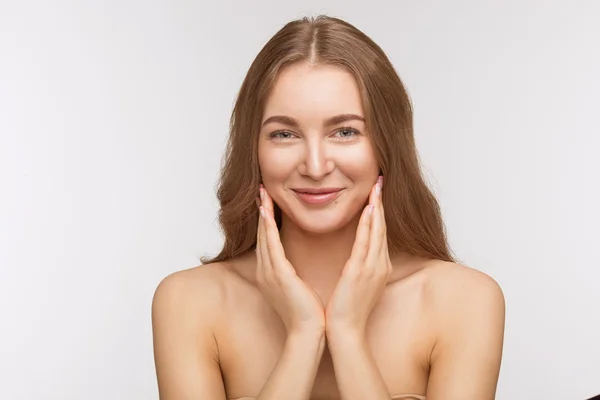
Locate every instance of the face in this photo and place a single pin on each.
(316, 158)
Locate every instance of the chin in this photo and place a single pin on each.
(319, 227)
(322, 221)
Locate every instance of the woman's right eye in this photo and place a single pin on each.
(281, 135)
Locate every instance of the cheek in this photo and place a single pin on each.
(275, 164)
(358, 163)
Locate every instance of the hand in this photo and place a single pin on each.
(365, 274)
(297, 304)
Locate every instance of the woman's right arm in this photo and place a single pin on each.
(299, 308)
(294, 375)
(184, 314)
(185, 350)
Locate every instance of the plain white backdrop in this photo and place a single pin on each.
(113, 120)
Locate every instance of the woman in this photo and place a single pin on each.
(340, 284)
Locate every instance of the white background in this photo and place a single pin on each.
(113, 119)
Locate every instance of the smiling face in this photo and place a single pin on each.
(313, 138)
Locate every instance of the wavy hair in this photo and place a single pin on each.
(413, 217)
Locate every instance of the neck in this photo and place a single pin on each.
(318, 258)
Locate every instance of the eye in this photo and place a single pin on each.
(281, 135)
(346, 133)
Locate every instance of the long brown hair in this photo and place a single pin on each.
(413, 218)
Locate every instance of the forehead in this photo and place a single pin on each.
(318, 92)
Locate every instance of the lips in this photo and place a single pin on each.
(317, 190)
(317, 196)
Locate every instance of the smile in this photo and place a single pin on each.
(317, 196)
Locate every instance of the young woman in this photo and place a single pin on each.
(335, 280)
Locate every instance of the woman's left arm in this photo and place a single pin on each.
(465, 361)
(361, 284)
(469, 318)
(356, 373)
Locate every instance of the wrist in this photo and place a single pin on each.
(305, 343)
(306, 336)
(335, 329)
(343, 336)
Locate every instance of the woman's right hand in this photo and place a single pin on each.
(297, 304)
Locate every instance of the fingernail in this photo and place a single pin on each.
(262, 211)
(261, 192)
(379, 184)
(377, 189)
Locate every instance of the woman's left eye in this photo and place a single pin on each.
(346, 133)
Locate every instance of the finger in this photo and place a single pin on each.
(267, 207)
(267, 200)
(259, 263)
(257, 201)
(274, 246)
(372, 193)
(261, 224)
(361, 241)
(376, 233)
(378, 201)
(383, 221)
(267, 268)
(380, 207)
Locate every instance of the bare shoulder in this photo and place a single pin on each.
(184, 301)
(205, 292)
(468, 308)
(184, 318)
(190, 288)
(458, 287)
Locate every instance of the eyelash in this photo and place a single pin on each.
(275, 135)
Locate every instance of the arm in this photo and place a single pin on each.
(299, 308)
(294, 375)
(185, 351)
(465, 361)
(356, 373)
(363, 279)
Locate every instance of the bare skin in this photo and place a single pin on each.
(324, 319)
(436, 330)
(411, 347)
(417, 307)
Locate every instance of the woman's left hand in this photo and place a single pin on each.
(365, 274)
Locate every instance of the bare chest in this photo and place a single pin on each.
(252, 341)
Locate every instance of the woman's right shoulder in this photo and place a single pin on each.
(187, 310)
(192, 290)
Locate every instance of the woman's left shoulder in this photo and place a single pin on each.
(460, 290)
(467, 313)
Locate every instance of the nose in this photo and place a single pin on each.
(315, 163)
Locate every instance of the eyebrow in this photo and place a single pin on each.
(338, 119)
